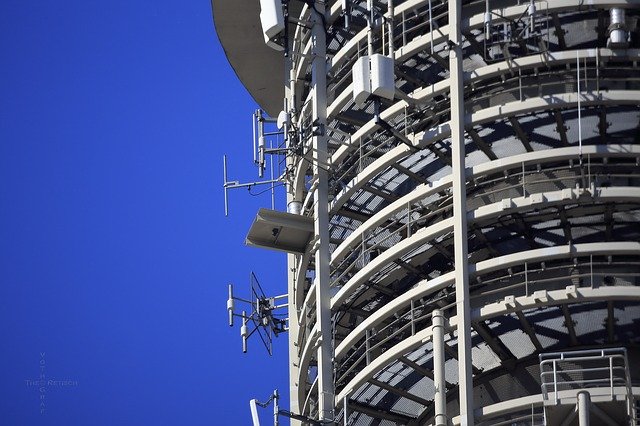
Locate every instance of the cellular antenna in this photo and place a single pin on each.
(275, 397)
(266, 317)
(267, 131)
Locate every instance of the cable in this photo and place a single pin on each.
(255, 194)
(312, 5)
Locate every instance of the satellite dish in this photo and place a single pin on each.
(283, 118)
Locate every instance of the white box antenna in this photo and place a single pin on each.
(272, 21)
(382, 76)
(361, 80)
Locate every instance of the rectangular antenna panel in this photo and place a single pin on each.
(361, 81)
(272, 20)
(382, 76)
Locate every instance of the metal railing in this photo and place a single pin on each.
(596, 368)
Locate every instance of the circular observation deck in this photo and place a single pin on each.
(552, 152)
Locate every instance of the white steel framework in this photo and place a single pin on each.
(484, 213)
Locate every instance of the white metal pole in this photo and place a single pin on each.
(273, 185)
(390, 28)
(255, 148)
(276, 408)
(579, 107)
(321, 216)
(292, 199)
(463, 309)
(370, 27)
(345, 412)
(226, 196)
(440, 398)
(431, 28)
(584, 403)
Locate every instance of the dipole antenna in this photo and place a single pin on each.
(265, 317)
(260, 151)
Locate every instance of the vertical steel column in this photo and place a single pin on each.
(321, 214)
(440, 398)
(465, 378)
(584, 403)
(293, 196)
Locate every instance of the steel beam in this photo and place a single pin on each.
(321, 216)
(461, 271)
(379, 414)
(400, 392)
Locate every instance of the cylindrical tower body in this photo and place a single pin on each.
(544, 106)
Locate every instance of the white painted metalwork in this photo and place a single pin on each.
(471, 170)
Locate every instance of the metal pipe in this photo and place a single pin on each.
(253, 124)
(345, 413)
(431, 27)
(294, 207)
(390, 28)
(226, 196)
(579, 107)
(275, 408)
(584, 403)
(487, 22)
(346, 12)
(618, 37)
(273, 187)
(370, 27)
(440, 397)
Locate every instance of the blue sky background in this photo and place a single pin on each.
(115, 254)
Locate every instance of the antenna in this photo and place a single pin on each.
(260, 162)
(254, 412)
(254, 403)
(262, 136)
(275, 397)
(522, 35)
(262, 318)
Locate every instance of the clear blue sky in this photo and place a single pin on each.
(114, 250)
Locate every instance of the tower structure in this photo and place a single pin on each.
(463, 191)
